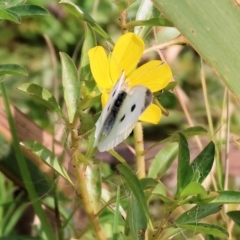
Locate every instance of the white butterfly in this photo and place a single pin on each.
(121, 113)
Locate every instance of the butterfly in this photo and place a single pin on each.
(121, 113)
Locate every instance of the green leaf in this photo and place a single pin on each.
(13, 69)
(10, 3)
(93, 184)
(197, 213)
(135, 186)
(71, 85)
(9, 15)
(137, 219)
(211, 229)
(193, 188)
(160, 189)
(42, 95)
(28, 10)
(123, 4)
(184, 170)
(15, 217)
(116, 216)
(227, 197)
(203, 198)
(202, 164)
(235, 216)
(204, 25)
(89, 42)
(47, 156)
(86, 123)
(163, 161)
(89, 100)
(80, 13)
(148, 183)
(145, 11)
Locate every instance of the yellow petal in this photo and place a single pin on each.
(126, 55)
(104, 99)
(155, 75)
(100, 67)
(152, 114)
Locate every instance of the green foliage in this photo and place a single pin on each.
(118, 204)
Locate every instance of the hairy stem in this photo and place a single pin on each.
(139, 149)
(79, 162)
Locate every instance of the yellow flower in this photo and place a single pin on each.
(126, 54)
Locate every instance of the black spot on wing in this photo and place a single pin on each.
(120, 98)
(122, 118)
(148, 98)
(113, 93)
(133, 107)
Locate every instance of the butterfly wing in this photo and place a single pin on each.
(135, 103)
(107, 109)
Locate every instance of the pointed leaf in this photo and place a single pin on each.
(211, 229)
(28, 10)
(202, 164)
(203, 198)
(148, 183)
(135, 186)
(226, 197)
(93, 184)
(184, 171)
(123, 4)
(89, 42)
(80, 13)
(208, 41)
(47, 156)
(116, 216)
(71, 85)
(146, 10)
(163, 161)
(42, 95)
(235, 216)
(137, 219)
(197, 213)
(13, 69)
(193, 188)
(86, 123)
(9, 15)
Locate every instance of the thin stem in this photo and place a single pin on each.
(139, 149)
(123, 21)
(205, 96)
(179, 40)
(186, 112)
(227, 146)
(79, 162)
(210, 124)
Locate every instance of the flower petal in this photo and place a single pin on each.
(126, 55)
(152, 114)
(154, 75)
(104, 99)
(100, 67)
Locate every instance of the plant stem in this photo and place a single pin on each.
(139, 149)
(79, 162)
(123, 21)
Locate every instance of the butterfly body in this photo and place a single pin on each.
(122, 111)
